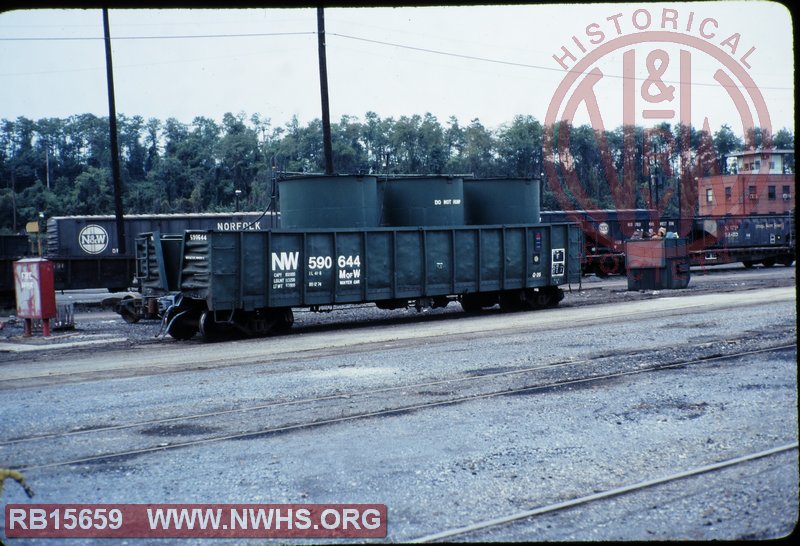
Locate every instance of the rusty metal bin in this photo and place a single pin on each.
(36, 296)
(657, 264)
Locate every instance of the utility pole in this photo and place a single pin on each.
(47, 162)
(112, 119)
(14, 195)
(323, 85)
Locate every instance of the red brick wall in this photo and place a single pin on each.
(739, 201)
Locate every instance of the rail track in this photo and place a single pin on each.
(280, 417)
(358, 335)
(610, 493)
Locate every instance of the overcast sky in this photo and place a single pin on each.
(485, 62)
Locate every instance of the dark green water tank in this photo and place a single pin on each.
(501, 201)
(423, 201)
(329, 201)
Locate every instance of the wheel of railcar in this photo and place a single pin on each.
(128, 315)
(470, 304)
(208, 326)
(556, 296)
(538, 298)
(787, 261)
(474, 303)
(748, 264)
(284, 319)
(127, 310)
(769, 262)
(542, 299)
(391, 305)
(608, 266)
(512, 300)
(183, 329)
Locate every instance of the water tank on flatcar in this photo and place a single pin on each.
(423, 201)
(501, 201)
(329, 201)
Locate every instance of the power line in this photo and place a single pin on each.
(522, 65)
(163, 37)
(378, 42)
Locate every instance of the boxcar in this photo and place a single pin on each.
(86, 250)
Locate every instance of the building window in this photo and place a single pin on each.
(771, 192)
(709, 195)
(728, 193)
(757, 164)
(751, 191)
(772, 165)
(786, 192)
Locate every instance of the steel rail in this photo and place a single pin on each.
(368, 392)
(617, 491)
(377, 413)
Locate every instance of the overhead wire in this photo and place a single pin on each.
(373, 41)
(155, 37)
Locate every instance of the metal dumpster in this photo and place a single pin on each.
(656, 264)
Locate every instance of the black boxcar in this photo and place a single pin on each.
(85, 249)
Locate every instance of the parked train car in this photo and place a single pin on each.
(355, 239)
(748, 217)
(85, 249)
(766, 239)
(12, 248)
(605, 233)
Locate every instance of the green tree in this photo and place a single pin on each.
(349, 155)
(403, 143)
(92, 193)
(431, 146)
(455, 143)
(133, 153)
(38, 199)
(479, 150)
(784, 140)
(92, 135)
(239, 155)
(519, 147)
(375, 136)
(725, 142)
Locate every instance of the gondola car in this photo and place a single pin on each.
(422, 241)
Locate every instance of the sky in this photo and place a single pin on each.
(489, 63)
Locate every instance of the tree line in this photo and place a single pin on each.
(56, 166)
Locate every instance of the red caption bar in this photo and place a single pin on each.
(195, 520)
